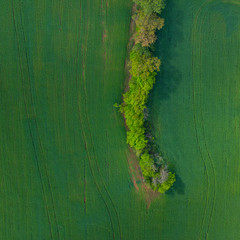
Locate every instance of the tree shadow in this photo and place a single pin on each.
(166, 46)
(168, 79)
(177, 188)
(154, 149)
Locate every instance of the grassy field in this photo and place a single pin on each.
(63, 153)
(64, 162)
(195, 110)
(64, 159)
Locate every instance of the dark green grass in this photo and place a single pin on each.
(62, 147)
(64, 169)
(195, 109)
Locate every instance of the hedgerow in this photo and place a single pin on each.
(143, 67)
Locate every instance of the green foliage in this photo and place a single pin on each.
(136, 139)
(147, 165)
(147, 24)
(143, 67)
(142, 63)
(162, 188)
(150, 6)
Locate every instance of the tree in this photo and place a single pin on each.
(147, 24)
(143, 67)
(147, 165)
(150, 6)
(142, 63)
(167, 184)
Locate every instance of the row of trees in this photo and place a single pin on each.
(143, 67)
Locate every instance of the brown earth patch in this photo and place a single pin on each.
(104, 35)
(138, 180)
(129, 47)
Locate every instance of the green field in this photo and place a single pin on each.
(64, 160)
(63, 154)
(195, 110)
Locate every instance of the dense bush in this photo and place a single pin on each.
(146, 26)
(143, 67)
(150, 6)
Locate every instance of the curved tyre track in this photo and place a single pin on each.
(86, 133)
(194, 111)
(200, 133)
(204, 134)
(197, 43)
(32, 123)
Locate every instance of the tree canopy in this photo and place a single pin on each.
(143, 67)
(147, 24)
(150, 6)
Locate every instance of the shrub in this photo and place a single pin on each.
(143, 67)
(150, 6)
(146, 27)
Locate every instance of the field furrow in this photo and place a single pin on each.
(66, 170)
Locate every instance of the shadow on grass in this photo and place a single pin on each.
(170, 76)
(166, 46)
(177, 188)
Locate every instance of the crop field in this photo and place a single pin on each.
(195, 111)
(66, 171)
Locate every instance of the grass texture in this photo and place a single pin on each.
(195, 110)
(64, 162)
